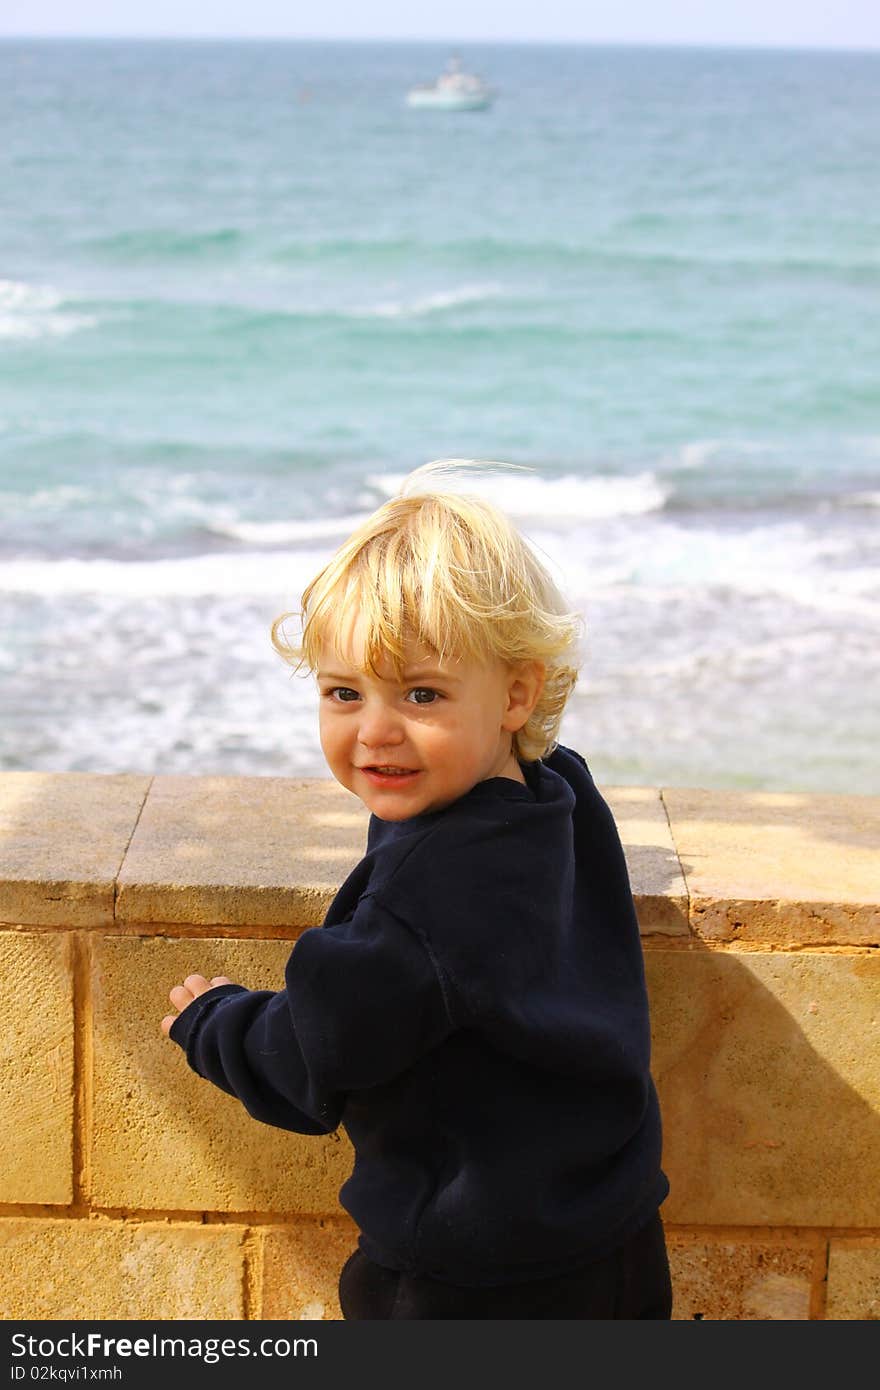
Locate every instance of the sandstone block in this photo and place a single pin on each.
(301, 1267)
(854, 1280)
(780, 867)
(248, 852)
(771, 1110)
(656, 879)
(740, 1282)
(62, 839)
(100, 1269)
(36, 1067)
(165, 1139)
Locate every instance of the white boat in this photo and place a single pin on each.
(453, 90)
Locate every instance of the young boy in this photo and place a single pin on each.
(473, 1009)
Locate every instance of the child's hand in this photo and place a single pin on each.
(183, 995)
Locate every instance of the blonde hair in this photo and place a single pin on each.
(450, 572)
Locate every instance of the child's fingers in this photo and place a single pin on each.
(183, 995)
(196, 984)
(193, 986)
(180, 996)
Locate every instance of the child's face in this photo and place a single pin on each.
(405, 747)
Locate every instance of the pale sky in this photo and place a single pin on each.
(775, 23)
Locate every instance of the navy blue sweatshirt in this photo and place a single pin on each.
(473, 1013)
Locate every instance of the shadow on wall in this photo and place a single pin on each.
(771, 1103)
(769, 1092)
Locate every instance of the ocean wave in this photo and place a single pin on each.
(803, 563)
(739, 475)
(495, 251)
(293, 532)
(430, 303)
(156, 243)
(37, 311)
(414, 306)
(641, 560)
(567, 500)
(664, 568)
(564, 502)
(46, 499)
(245, 318)
(273, 575)
(700, 453)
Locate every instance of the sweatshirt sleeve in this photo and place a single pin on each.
(362, 1001)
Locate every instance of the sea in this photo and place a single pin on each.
(245, 289)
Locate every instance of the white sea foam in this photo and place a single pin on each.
(431, 303)
(37, 311)
(665, 563)
(563, 501)
(271, 574)
(568, 500)
(651, 557)
(15, 295)
(292, 532)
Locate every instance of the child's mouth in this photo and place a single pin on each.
(386, 776)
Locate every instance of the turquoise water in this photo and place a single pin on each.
(244, 288)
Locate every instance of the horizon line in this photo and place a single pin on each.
(723, 45)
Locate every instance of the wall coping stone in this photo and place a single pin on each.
(63, 837)
(263, 855)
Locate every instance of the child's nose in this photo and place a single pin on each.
(379, 726)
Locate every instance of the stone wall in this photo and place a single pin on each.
(130, 1188)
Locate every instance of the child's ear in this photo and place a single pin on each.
(524, 686)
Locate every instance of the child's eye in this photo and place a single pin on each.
(343, 694)
(422, 695)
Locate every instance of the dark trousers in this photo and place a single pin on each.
(632, 1282)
